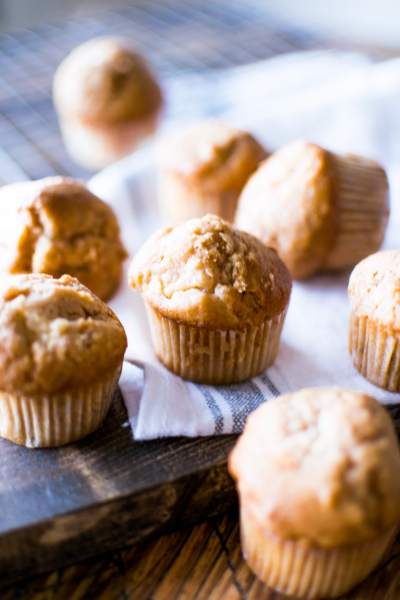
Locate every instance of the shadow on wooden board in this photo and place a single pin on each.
(59, 506)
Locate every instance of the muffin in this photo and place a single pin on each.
(317, 475)
(61, 353)
(374, 336)
(203, 170)
(56, 226)
(216, 300)
(319, 210)
(107, 101)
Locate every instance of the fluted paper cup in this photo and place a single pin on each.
(56, 419)
(215, 357)
(375, 352)
(361, 191)
(310, 572)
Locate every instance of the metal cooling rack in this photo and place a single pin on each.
(178, 37)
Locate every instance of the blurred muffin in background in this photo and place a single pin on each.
(319, 210)
(203, 170)
(107, 101)
(56, 226)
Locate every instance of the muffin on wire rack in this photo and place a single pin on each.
(319, 210)
(317, 478)
(216, 299)
(107, 100)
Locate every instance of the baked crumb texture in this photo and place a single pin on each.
(56, 226)
(107, 100)
(374, 332)
(317, 480)
(216, 298)
(61, 352)
(319, 210)
(203, 170)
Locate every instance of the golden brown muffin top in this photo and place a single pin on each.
(56, 226)
(55, 335)
(289, 204)
(320, 466)
(374, 289)
(206, 273)
(211, 151)
(103, 81)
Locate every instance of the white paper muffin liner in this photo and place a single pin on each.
(181, 200)
(97, 147)
(361, 192)
(310, 572)
(215, 357)
(57, 419)
(375, 352)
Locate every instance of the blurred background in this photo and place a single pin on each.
(374, 22)
(192, 45)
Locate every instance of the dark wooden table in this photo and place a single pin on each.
(200, 563)
(179, 37)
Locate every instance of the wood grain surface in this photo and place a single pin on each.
(197, 563)
(201, 563)
(62, 505)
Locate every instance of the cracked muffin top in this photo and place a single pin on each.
(374, 289)
(55, 335)
(320, 466)
(56, 226)
(206, 273)
(103, 81)
(211, 151)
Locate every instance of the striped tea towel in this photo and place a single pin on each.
(340, 101)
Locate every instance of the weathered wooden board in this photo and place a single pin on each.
(203, 562)
(61, 505)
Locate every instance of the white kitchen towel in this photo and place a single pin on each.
(345, 103)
